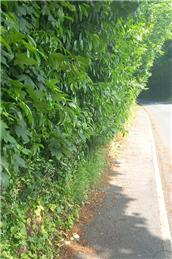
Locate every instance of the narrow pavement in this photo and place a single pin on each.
(131, 222)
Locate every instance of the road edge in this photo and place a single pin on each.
(165, 227)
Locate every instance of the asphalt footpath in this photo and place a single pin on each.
(132, 222)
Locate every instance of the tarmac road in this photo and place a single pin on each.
(160, 115)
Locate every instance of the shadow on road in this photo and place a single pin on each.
(115, 235)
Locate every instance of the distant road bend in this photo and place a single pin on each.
(160, 115)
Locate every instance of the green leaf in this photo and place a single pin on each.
(23, 60)
(12, 21)
(4, 165)
(51, 83)
(27, 111)
(16, 83)
(4, 42)
(23, 133)
(73, 105)
(96, 40)
(16, 36)
(8, 138)
(3, 131)
(68, 5)
(58, 61)
(4, 179)
(25, 151)
(19, 162)
(30, 46)
(82, 61)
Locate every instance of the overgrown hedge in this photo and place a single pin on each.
(70, 71)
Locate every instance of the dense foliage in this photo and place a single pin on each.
(70, 71)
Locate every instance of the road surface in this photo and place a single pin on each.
(161, 118)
